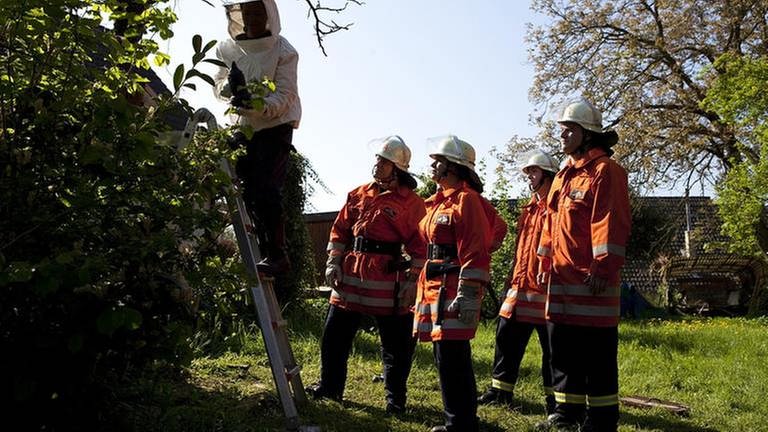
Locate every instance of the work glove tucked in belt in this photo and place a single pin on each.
(407, 295)
(467, 302)
(333, 272)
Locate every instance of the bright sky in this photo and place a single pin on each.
(419, 69)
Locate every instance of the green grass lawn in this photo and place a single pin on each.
(714, 366)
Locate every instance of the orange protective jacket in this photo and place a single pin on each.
(498, 227)
(455, 216)
(525, 298)
(390, 216)
(585, 233)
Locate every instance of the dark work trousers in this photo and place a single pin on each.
(511, 340)
(585, 374)
(457, 383)
(263, 172)
(397, 346)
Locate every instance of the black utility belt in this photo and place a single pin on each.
(367, 245)
(441, 251)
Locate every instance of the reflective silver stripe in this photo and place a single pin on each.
(474, 273)
(368, 284)
(530, 312)
(427, 308)
(572, 309)
(602, 401)
(418, 262)
(543, 251)
(529, 297)
(448, 324)
(363, 300)
(523, 311)
(501, 385)
(335, 246)
(570, 398)
(609, 248)
(582, 290)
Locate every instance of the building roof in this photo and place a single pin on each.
(672, 220)
(668, 220)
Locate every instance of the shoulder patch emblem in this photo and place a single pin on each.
(443, 219)
(577, 194)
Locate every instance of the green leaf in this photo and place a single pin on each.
(47, 284)
(215, 62)
(178, 75)
(161, 59)
(209, 45)
(190, 85)
(197, 57)
(131, 318)
(247, 131)
(108, 321)
(197, 41)
(206, 78)
(20, 271)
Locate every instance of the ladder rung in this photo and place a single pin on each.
(293, 372)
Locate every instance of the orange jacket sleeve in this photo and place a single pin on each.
(611, 221)
(341, 231)
(415, 245)
(472, 234)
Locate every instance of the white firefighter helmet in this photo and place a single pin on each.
(584, 114)
(455, 150)
(541, 159)
(393, 149)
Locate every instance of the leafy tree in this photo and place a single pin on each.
(503, 259)
(738, 96)
(648, 65)
(111, 251)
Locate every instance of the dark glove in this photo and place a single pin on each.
(237, 140)
(240, 96)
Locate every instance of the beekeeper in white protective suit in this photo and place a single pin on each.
(257, 51)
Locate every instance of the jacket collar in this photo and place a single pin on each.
(374, 189)
(589, 156)
(443, 194)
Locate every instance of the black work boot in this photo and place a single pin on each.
(549, 404)
(394, 410)
(317, 391)
(275, 264)
(276, 261)
(556, 423)
(494, 396)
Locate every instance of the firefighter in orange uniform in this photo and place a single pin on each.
(369, 275)
(582, 251)
(523, 308)
(451, 284)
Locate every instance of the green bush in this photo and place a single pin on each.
(111, 251)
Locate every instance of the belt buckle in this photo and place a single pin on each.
(358, 245)
(434, 251)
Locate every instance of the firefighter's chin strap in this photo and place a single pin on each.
(385, 182)
(533, 188)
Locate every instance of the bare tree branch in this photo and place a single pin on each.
(324, 27)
